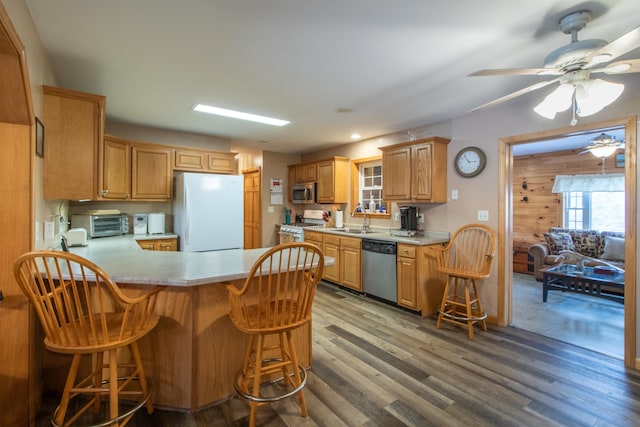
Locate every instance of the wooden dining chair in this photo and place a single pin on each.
(465, 259)
(276, 298)
(83, 312)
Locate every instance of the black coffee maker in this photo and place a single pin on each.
(408, 218)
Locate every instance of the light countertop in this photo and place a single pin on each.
(428, 238)
(126, 262)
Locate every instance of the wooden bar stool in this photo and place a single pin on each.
(466, 258)
(275, 299)
(83, 312)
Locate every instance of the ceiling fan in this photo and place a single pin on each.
(603, 145)
(573, 65)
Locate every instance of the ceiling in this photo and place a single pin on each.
(398, 65)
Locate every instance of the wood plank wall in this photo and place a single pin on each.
(544, 209)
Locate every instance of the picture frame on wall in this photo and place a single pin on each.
(620, 160)
(39, 138)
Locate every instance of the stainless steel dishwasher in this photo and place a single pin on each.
(379, 269)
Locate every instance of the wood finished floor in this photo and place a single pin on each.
(375, 365)
(593, 323)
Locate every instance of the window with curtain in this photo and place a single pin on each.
(594, 210)
(592, 201)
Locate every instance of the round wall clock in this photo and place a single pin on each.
(470, 161)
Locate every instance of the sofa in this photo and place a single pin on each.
(601, 247)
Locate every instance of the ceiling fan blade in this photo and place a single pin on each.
(623, 44)
(518, 72)
(620, 67)
(517, 93)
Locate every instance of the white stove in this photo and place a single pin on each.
(295, 232)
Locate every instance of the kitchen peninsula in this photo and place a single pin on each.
(195, 352)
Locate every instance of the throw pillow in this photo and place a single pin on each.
(613, 249)
(559, 242)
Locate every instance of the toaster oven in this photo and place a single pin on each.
(101, 225)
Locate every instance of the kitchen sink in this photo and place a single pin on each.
(354, 230)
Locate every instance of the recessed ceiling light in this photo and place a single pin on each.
(240, 115)
(356, 136)
(344, 110)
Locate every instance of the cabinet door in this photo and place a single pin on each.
(116, 169)
(314, 238)
(332, 249)
(325, 191)
(300, 176)
(421, 172)
(310, 172)
(396, 174)
(74, 128)
(147, 245)
(151, 173)
(189, 160)
(167, 245)
(407, 286)
(350, 266)
(221, 163)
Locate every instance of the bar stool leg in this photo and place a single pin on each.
(469, 314)
(480, 310)
(257, 374)
(66, 393)
(113, 384)
(296, 373)
(97, 381)
(142, 378)
(443, 304)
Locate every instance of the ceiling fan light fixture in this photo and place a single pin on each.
(593, 95)
(603, 151)
(557, 101)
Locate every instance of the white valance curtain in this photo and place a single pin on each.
(589, 183)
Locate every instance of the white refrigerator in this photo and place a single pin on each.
(208, 211)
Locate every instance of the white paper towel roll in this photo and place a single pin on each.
(339, 219)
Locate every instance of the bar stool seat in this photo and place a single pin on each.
(84, 313)
(465, 259)
(275, 299)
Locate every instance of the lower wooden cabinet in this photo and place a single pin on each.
(406, 276)
(170, 245)
(313, 237)
(350, 263)
(348, 255)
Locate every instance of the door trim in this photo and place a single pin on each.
(505, 222)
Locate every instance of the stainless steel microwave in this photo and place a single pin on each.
(101, 225)
(304, 194)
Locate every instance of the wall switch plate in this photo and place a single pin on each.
(483, 215)
(421, 218)
(454, 194)
(397, 216)
(49, 230)
(270, 209)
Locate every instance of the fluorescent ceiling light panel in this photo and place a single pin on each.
(239, 115)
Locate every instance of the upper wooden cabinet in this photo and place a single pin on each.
(151, 175)
(306, 172)
(74, 128)
(134, 171)
(415, 171)
(204, 161)
(332, 180)
(115, 174)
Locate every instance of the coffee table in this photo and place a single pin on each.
(567, 278)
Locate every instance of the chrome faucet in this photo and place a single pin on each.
(365, 226)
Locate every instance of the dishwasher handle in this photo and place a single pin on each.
(379, 246)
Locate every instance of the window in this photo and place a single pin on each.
(366, 181)
(371, 184)
(594, 210)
